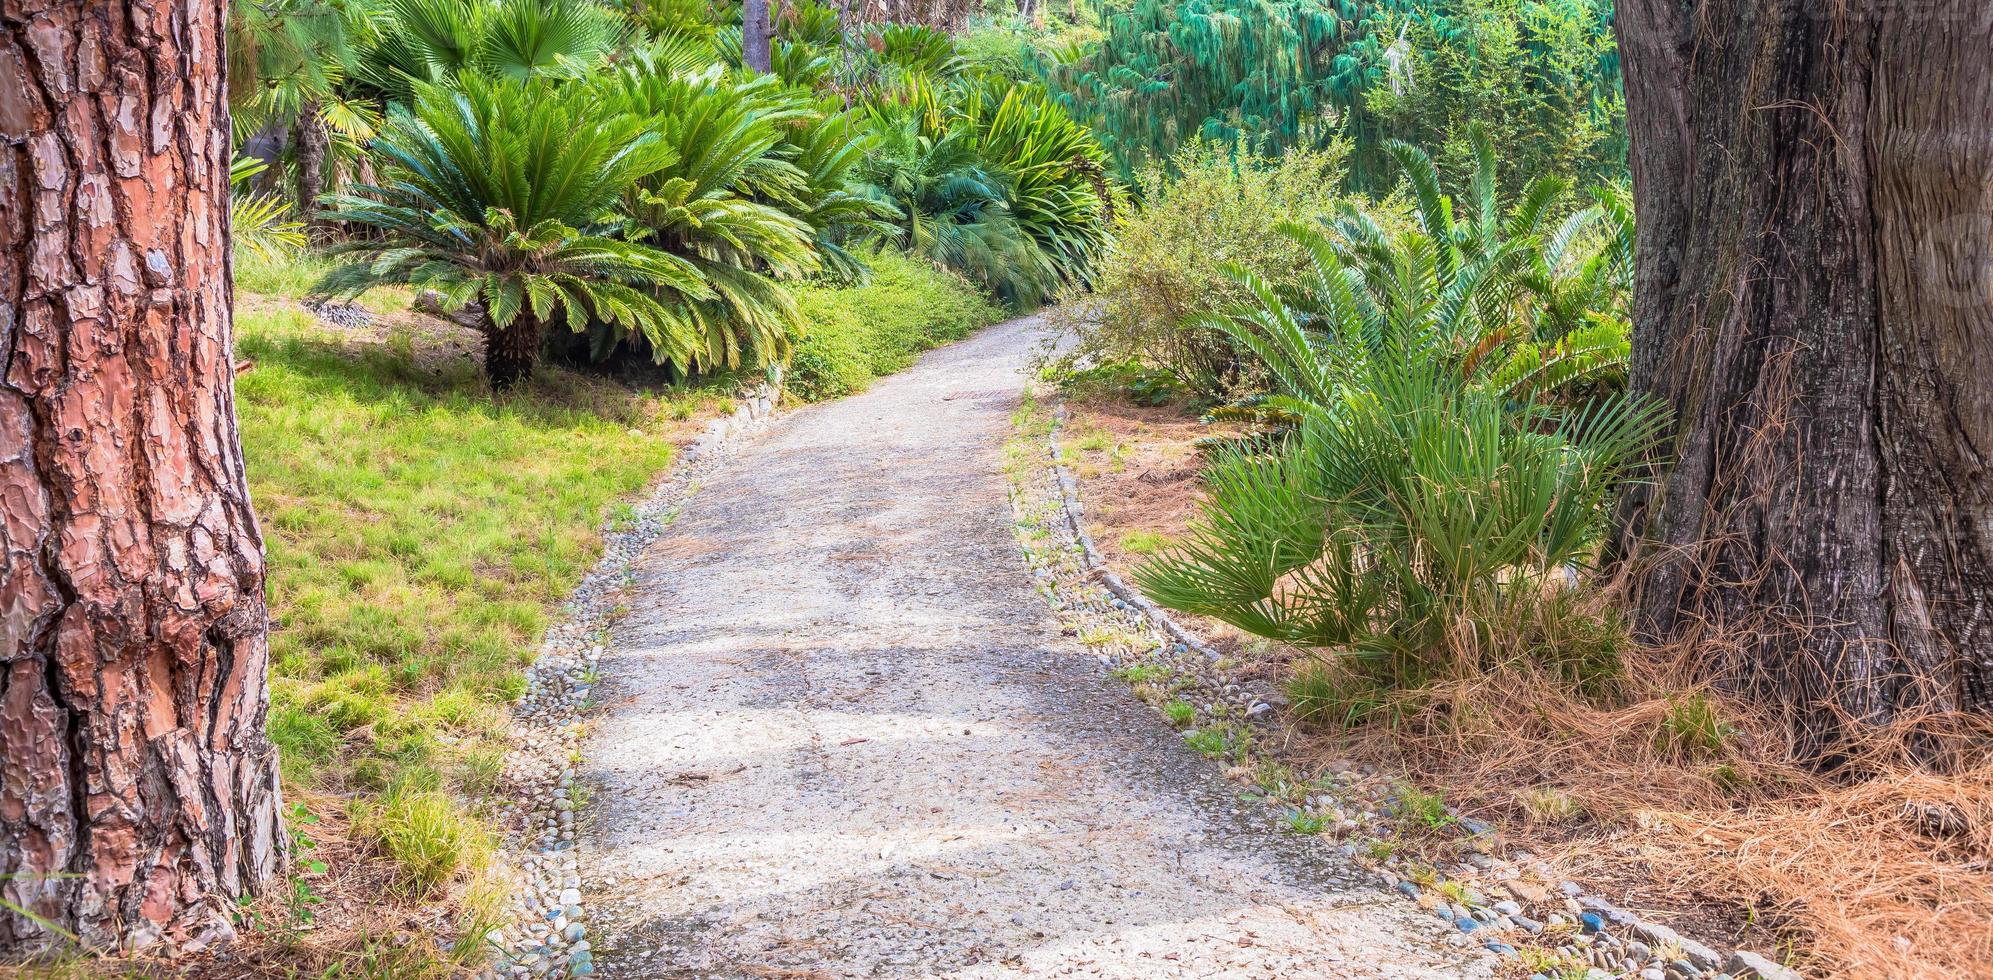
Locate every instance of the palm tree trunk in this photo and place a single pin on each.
(754, 35)
(312, 144)
(511, 351)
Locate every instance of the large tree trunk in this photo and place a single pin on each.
(1814, 184)
(754, 39)
(138, 790)
(313, 143)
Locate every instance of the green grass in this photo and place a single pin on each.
(1693, 728)
(294, 278)
(420, 533)
(1144, 542)
(855, 334)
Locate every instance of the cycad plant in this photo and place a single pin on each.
(953, 206)
(497, 192)
(1528, 294)
(410, 42)
(699, 206)
(1407, 508)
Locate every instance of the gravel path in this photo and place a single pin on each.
(843, 738)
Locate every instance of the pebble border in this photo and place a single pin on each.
(1585, 936)
(546, 931)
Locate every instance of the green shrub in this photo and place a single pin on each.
(853, 334)
(1215, 204)
(1412, 506)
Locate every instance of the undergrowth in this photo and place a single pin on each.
(854, 334)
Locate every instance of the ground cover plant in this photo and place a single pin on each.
(853, 334)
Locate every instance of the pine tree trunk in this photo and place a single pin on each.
(754, 39)
(313, 143)
(1815, 303)
(511, 351)
(138, 790)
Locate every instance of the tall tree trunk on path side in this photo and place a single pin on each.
(754, 35)
(313, 144)
(138, 789)
(1814, 301)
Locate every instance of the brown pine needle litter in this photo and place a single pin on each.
(1883, 869)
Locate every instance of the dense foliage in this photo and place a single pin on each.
(1209, 206)
(1299, 73)
(464, 126)
(1450, 386)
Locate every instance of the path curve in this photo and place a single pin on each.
(842, 737)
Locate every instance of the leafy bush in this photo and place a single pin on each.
(1214, 204)
(494, 187)
(1410, 505)
(993, 181)
(853, 334)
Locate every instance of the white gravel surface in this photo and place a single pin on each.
(842, 737)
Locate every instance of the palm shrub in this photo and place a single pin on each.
(407, 43)
(497, 192)
(1056, 173)
(951, 204)
(758, 192)
(1528, 292)
(993, 181)
(701, 208)
(1408, 508)
(260, 222)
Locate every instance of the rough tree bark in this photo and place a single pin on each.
(1814, 181)
(138, 790)
(511, 351)
(754, 39)
(313, 144)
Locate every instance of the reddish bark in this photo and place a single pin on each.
(138, 789)
(1815, 302)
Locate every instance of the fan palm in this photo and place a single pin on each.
(497, 192)
(1407, 506)
(409, 42)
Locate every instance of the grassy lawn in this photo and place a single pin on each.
(419, 532)
(422, 535)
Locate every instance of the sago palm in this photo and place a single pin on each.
(704, 206)
(495, 193)
(954, 208)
